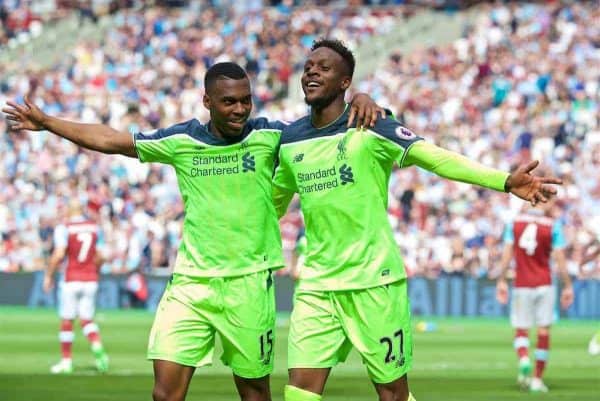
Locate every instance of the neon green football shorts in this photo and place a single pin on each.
(325, 325)
(194, 309)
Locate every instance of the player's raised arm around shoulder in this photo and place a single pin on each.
(277, 125)
(101, 138)
(364, 109)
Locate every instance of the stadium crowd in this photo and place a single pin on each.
(520, 83)
(24, 20)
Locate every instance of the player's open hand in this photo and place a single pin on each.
(27, 116)
(567, 296)
(364, 110)
(502, 292)
(48, 283)
(529, 187)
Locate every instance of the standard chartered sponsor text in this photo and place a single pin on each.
(204, 160)
(326, 179)
(206, 165)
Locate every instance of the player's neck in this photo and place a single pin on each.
(322, 117)
(214, 130)
(217, 133)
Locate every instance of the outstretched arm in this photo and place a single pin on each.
(529, 187)
(101, 138)
(457, 167)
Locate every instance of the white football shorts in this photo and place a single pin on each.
(77, 299)
(532, 306)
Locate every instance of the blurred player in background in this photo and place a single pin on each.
(78, 240)
(533, 238)
(231, 242)
(592, 255)
(352, 288)
(594, 344)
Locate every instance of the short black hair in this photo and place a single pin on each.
(228, 70)
(340, 48)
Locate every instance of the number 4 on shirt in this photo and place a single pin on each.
(528, 239)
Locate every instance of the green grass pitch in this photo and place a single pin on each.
(463, 360)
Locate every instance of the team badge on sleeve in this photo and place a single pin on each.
(404, 133)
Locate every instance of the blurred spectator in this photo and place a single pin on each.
(517, 86)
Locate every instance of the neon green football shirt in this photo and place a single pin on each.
(342, 175)
(230, 226)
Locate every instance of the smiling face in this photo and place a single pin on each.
(325, 77)
(230, 103)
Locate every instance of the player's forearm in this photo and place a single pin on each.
(566, 280)
(561, 264)
(455, 166)
(53, 263)
(502, 274)
(98, 137)
(505, 262)
(99, 260)
(281, 199)
(51, 269)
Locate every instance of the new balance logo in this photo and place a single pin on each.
(248, 163)
(346, 175)
(298, 158)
